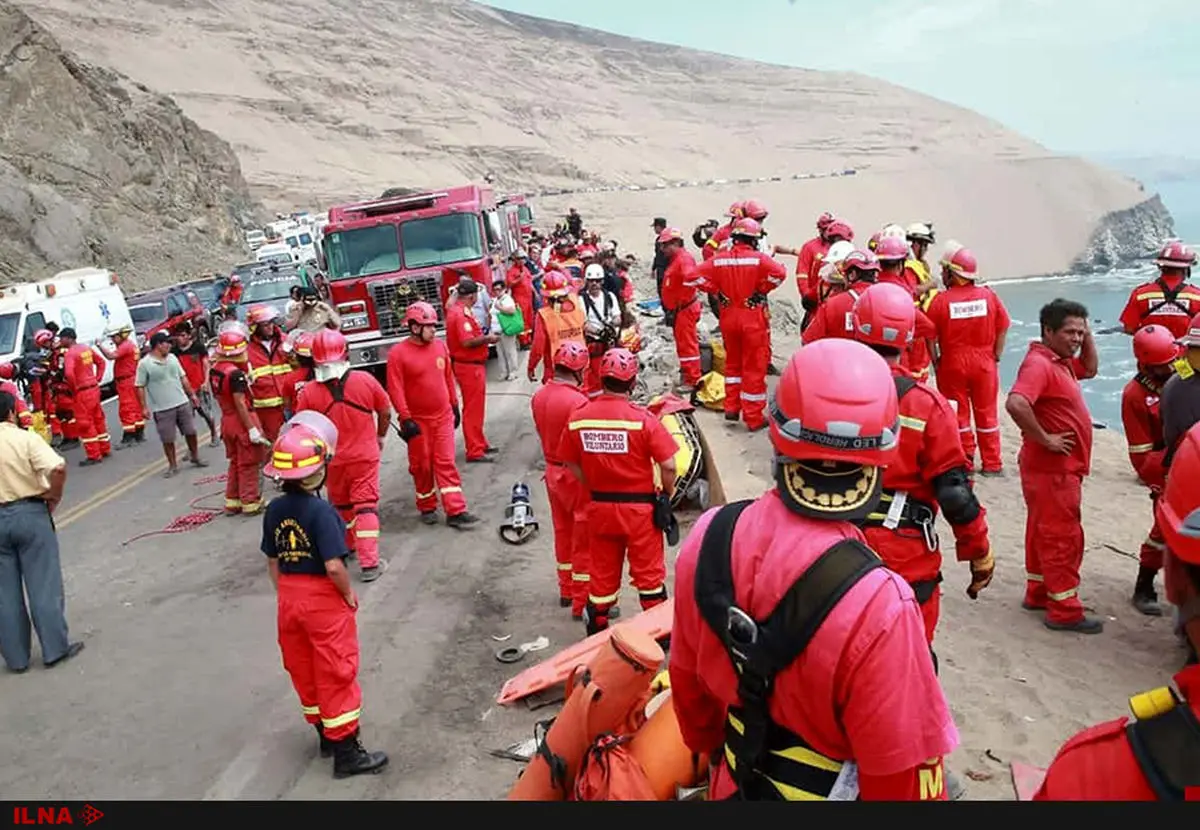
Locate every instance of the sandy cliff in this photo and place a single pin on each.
(327, 99)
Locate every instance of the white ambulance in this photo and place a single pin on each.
(88, 300)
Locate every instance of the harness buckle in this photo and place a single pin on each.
(742, 631)
(924, 517)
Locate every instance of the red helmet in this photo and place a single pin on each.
(1154, 346)
(298, 453)
(329, 346)
(235, 280)
(421, 313)
(259, 314)
(884, 316)
(43, 338)
(556, 284)
(747, 227)
(863, 262)
(1178, 508)
(755, 210)
(233, 340)
(891, 248)
(7, 371)
(962, 263)
(737, 210)
(571, 355)
(618, 364)
(824, 220)
(670, 235)
(304, 344)
(838, 228)
(1175, 254)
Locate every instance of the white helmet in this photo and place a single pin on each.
(829, 266)
(893, 230)
(919, 232)
(594, 271)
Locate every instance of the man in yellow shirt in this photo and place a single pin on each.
(31, 485)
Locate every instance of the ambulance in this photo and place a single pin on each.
(88, 300)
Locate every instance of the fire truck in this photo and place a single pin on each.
(382, 255)
(524, 211)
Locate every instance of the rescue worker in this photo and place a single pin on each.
(611, 445)
(972, 327)
(681, 303)
(83, 367)
(299, 347)
(62, 395)
(562, 318)
(241, 430)
(1153, 757)
(519, 280)
(919, 236)
(468, 345)
(305, 544)
(1180, 402)
(658, 267)
(552, 406)
(231, 297)
(420, 383)
(860, 270)
(892, 251)
(8, 377)
(1056, 451)
(1155, 351)
(41, 385)
(268, 368)
(722, 235)
(602, 325)
(125, 358)
(1169, 299)
(808, 257)
(359, 408)
(740, 278)
(780, 724)
(928, 473)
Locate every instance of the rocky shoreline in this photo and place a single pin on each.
(1126, 238)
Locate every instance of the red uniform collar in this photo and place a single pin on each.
(1038, 345)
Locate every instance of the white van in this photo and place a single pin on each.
(255, 239)
(88, 300)
(279, 252)
(302, 244)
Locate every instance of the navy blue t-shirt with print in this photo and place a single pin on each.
(303, 532)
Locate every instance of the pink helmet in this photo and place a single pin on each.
(619, 364)
(891, 248)
(838, 228)
(1175, 254)
(737, 210)
(884, 316)
(670, 235)
(824, 220)
(747, 227)
(755, 210)
(860, 266)
(421, 313)
(962, 263)
(571, 355)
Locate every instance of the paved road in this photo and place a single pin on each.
(180, 692)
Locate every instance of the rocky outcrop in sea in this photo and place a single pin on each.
(1126, 238)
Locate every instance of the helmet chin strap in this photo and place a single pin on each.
(314, 482)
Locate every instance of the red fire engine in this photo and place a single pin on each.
(384, 254)
(524, 211)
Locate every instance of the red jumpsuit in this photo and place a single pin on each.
(124, 373)
(242, 492)
(916, 358)
(268, 368)
(832, 318)
(1052, 484)
(1166, 301)
(232, 294)
(353, 403)
(293, 382)
(929, 447)
(24, 416)
(679, 296)
(863, 690)
(83, 369)
(421, 386)
(63, 403)
(808, 270)
(552, 406)
(1144, 434)
(41, 397)
(616, 444)
(520, 284)
(470, 369)
(718, 241)
(1098, 764)
(735, 276)
(969, 320)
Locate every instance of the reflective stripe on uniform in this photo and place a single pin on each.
(1033, 577)
(649, 592)
(341, 720)
(747, 396)
(270, 369)
(428, 495)
(733, 379)
(1155, 544)
(595, 600)
(1134, 449)
(366, 534)
(718, 263)
(268, 403)
(564, 566)
(604, 423)
(310, 710)
(987, 429)
(1062, 595)
(915, 424)
(576, 576)
(446, 490)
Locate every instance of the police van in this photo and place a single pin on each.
(88, 300)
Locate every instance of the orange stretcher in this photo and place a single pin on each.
(550, 672)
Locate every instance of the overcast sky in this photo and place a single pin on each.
(1094, 77)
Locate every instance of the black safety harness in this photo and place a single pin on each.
(762, 755)
(1170, 297)
(337, 391)
(1167, 748)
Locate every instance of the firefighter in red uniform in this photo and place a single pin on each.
(231, 297)
(972, 325)
(125, 358)
(1156, 757)
(780, 701)
(421, 386)
(468, 347)
(300, 358)
(930, 470)
(268, 368)
(741, 278)
(721, 236)
(305, 544)
(891, 252)
(808, 257)
(680, 302)
(612, 445)
(8, 374)
(833, 318)
(240, 428)
(1155, 351)
(359, 408)
(552, 407)
(41, 385)
(1168, 300)
(83, 368)
(520, 285)
(562, 318)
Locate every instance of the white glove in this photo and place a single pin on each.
(256, 437)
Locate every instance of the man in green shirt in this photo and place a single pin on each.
(164, 393)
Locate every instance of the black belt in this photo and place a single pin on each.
(27, 500)
(923, 589)
(469, 362)
(916, 515)
(625, 498)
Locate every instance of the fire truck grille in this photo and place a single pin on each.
(393, 297)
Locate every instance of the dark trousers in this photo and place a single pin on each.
(29, 564)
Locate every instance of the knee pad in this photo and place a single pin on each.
(955, 496)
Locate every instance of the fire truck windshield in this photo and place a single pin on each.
(441, 240)
(362, 252)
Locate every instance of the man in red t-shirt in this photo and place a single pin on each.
(468, 347)
(1056, 452)
(192, 354)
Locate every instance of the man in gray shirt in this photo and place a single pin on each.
(165, 394)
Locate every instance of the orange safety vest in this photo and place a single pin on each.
(267, 374)
(562, 326)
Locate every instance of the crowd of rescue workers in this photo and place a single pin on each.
(879, 423)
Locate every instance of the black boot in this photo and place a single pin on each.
(127, 441)
(1145, 599)
(140, 435)
(349, 758)
(327, 745)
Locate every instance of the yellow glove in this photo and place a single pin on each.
(981, 574)
(661, 681)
